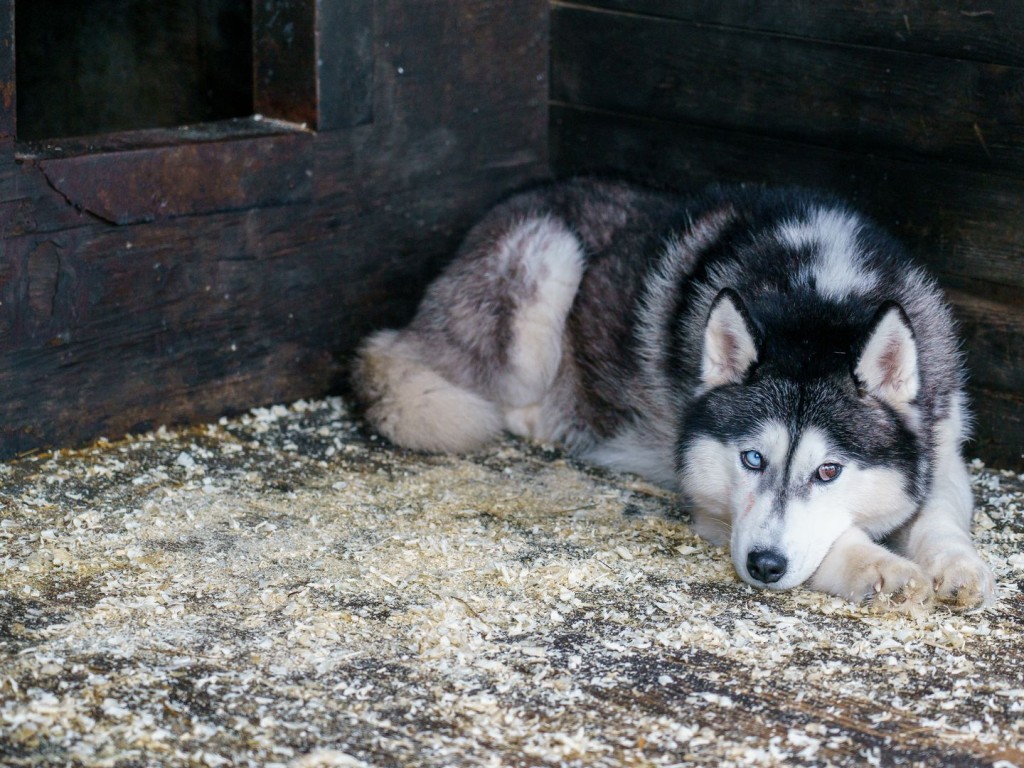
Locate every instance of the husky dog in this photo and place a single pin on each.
(771, 354)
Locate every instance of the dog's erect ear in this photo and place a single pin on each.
(729, 348)
(887, 366)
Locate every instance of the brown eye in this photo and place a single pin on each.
(828, 472)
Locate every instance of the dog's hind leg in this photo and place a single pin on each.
(549, 267)
(485, 345)
(939, 538)
(548, 264)
(414, 405)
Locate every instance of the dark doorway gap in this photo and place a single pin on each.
(113, 65)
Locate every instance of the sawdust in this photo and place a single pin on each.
(284, 590)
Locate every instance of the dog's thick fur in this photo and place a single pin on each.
(771, 354)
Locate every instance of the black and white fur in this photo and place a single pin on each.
(771, 354)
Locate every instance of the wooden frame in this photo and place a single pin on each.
(170, 276)
(261, 160)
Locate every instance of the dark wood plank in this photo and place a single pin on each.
(108, 330)
(345, 39)
(136, 185)
(490, 113)
(8, 106)
(856, 98)
(248, 127)
(30, 203)
(982, 30)
(993, 336)
(27, 202)
(999, 434)
(965, 225)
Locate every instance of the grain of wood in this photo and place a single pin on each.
(819, 92)
(986, 32)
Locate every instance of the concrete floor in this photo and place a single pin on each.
(282, 589)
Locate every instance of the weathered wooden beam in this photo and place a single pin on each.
(979, 30)
(831, 95)
(999, 428)
(964, 223)
(148, 175)
(107, 330)
(8, 105)
(344, 64)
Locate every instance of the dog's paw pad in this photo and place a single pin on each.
(962, 581)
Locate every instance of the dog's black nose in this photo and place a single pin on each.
(766, 565)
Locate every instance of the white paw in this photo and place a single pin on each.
(961, 579)
(893, 582)
(524, 421)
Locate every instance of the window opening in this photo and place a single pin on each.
(100, 66)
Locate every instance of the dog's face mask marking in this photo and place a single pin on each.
(789, 516)
(759, 462)
(802, 497)
(781, 499)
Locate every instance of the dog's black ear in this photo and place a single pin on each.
(729, 346)
(887, 365)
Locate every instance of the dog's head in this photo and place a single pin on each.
(803, 428)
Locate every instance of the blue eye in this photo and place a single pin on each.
(752, 460)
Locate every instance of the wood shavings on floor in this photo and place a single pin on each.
(282, 589)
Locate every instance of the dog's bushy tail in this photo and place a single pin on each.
(414, 405)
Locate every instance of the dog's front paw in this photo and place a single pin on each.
(894, 582)
(961, 579)
(861, 570)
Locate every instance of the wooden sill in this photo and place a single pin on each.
(139, 176)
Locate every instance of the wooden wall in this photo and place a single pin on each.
(152, 283)
(914, 110)
(155, 283)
